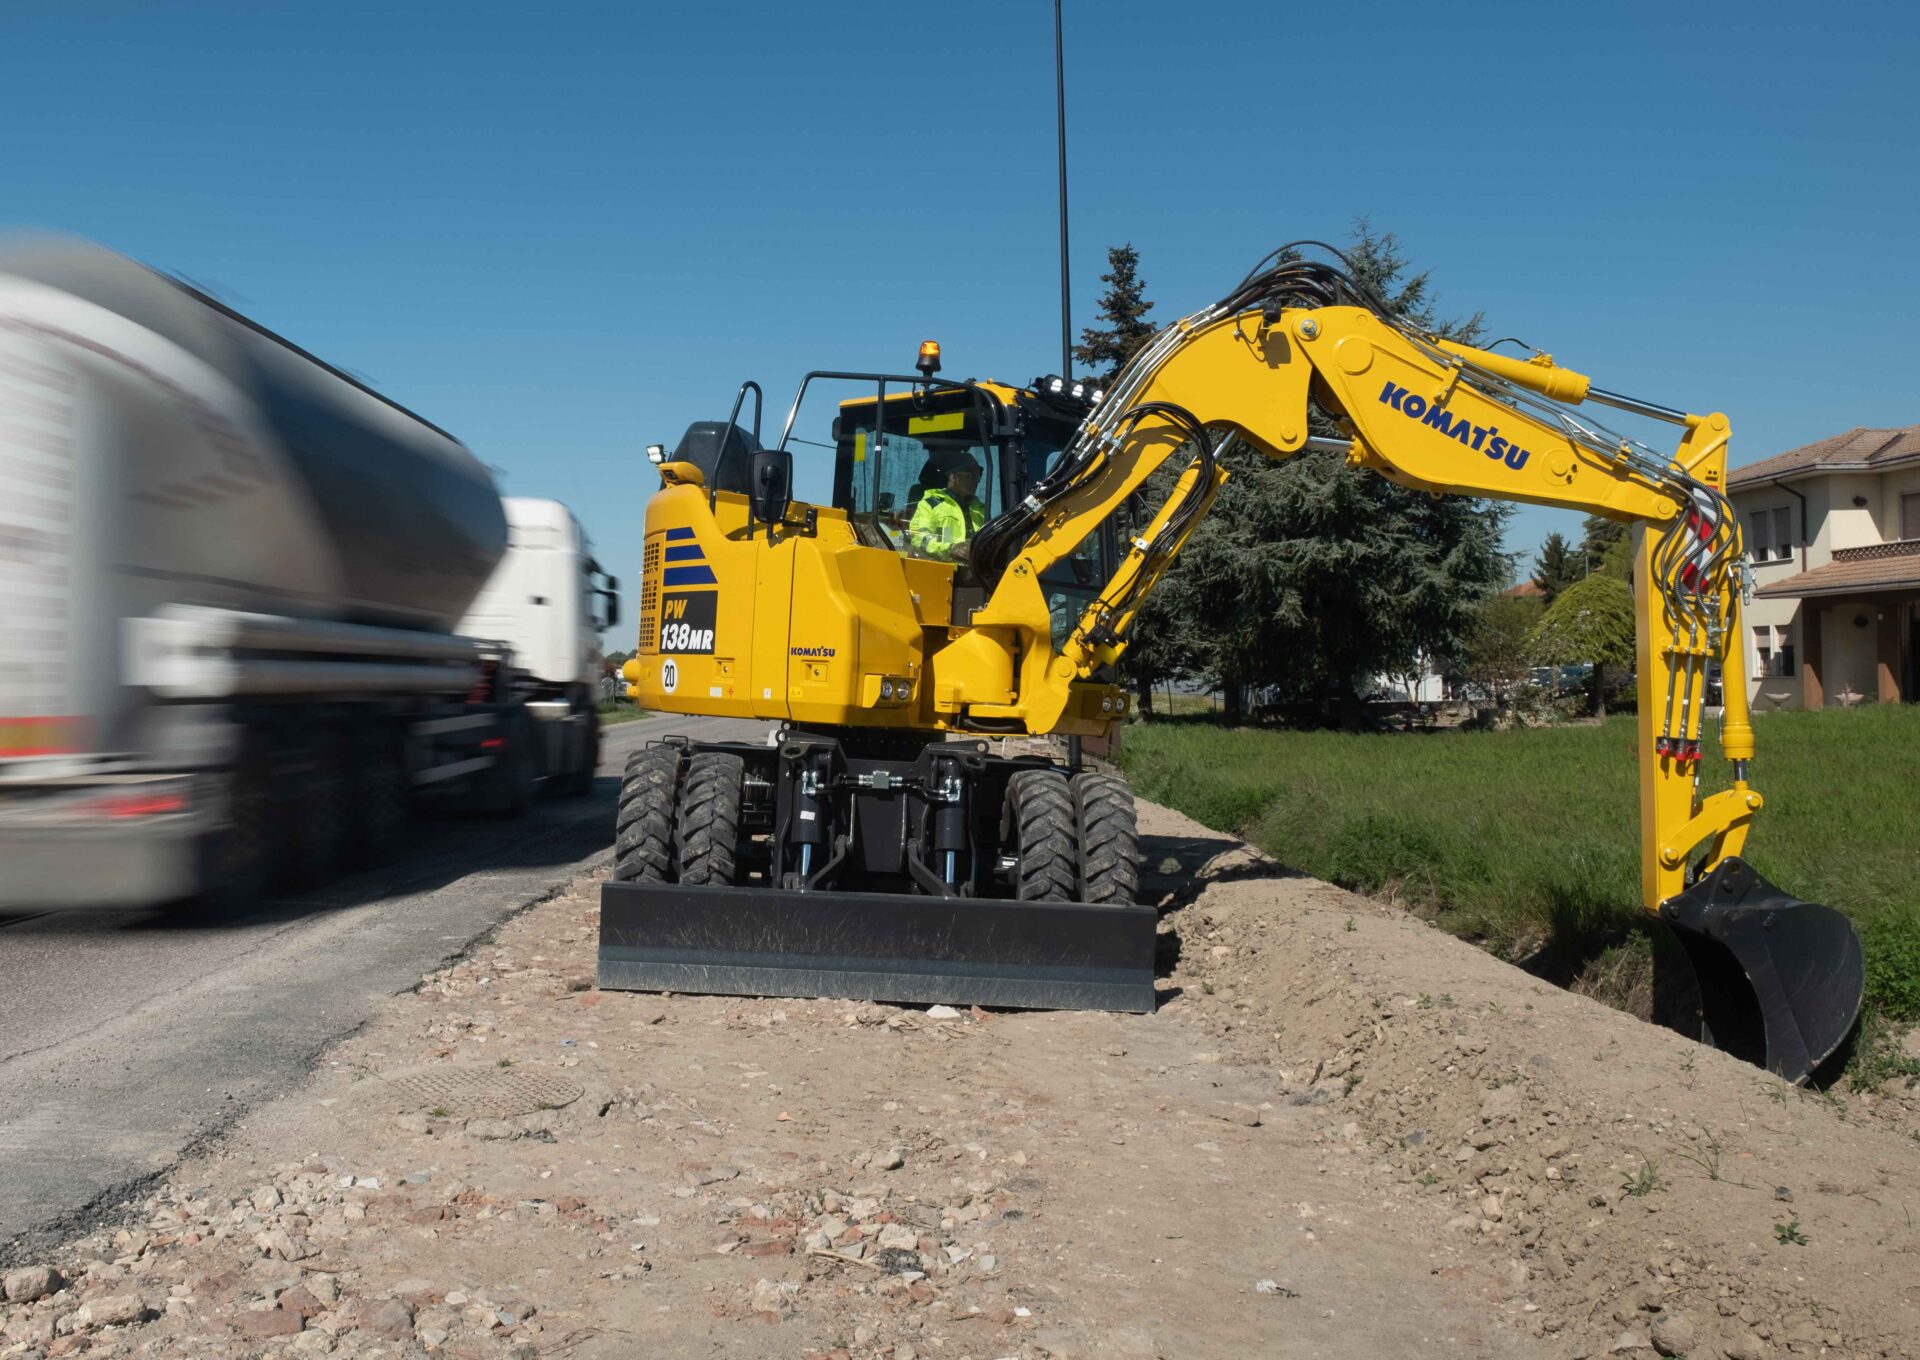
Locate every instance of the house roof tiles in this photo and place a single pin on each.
(1858, 448)
(1859, 576)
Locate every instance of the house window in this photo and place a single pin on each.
(1772, 651)
(1770, 535)
(1910, 515)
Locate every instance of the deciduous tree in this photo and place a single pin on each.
(1591, 621)
(1500, 647)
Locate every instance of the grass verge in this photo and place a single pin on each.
(1526, 842)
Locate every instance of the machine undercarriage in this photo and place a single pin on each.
(876, 867)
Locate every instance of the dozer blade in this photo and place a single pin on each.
(657, 937)
(1781, 980)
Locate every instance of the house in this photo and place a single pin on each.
(1833, 537)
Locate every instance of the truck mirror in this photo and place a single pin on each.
(772, 484)
(612, 592)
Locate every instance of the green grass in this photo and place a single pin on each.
(613, 711)
(1528, 840)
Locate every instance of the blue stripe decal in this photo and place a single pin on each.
(685, 552)
(684, 531)
(689, 576)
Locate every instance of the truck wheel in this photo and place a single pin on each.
(1109, 839)
(380, 803)
(321, 813)
(237, 860)
(643, 828)
(1043, 830)
(708, 827)
(579, 780)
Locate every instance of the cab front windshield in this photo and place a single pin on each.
(918, 477)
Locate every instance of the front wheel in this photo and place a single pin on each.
(708, 826)
(643, 827)
(1109, 839)
(1042, 828)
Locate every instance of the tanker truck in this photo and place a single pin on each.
(253, 613)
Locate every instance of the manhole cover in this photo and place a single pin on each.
(490, 1092)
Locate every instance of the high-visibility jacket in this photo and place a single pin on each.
(942, 520)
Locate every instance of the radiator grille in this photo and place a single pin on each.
(650, 595)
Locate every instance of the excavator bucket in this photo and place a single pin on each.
(1781, 980)
(660, 937)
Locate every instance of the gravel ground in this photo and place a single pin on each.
(1343, 1134)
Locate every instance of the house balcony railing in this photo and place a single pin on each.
(1899, 547)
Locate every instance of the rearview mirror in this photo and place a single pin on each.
(772, 484)
(612, 596)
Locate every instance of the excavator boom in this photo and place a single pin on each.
(1781, 980)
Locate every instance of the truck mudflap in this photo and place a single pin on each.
(1781, 980)
(732, 941)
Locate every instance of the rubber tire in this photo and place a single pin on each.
(382, 802)
(1044, 832)
(1109, 840)
(643, 826)
(326, 815)
(707, 829)
(579, 780)
(237, 861)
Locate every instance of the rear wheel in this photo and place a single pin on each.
(1043, 831)
(1109, 839)
(708, 827)
(320, 811)
(380, 798)
(643, 838)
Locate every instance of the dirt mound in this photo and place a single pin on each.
(1656, 1193)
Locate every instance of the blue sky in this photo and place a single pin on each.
(564, 231)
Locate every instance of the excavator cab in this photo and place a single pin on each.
(892, 449)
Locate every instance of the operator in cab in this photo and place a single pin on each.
(949, 514)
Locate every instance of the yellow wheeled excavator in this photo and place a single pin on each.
(979, 570)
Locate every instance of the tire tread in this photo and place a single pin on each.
(643, 835)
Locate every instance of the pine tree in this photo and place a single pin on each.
(1607, 546)
(1377, 262)
(1124, 307)
(1557, 567)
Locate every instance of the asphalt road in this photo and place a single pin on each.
(128, 1037)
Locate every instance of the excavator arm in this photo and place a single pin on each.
(1781, 980)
